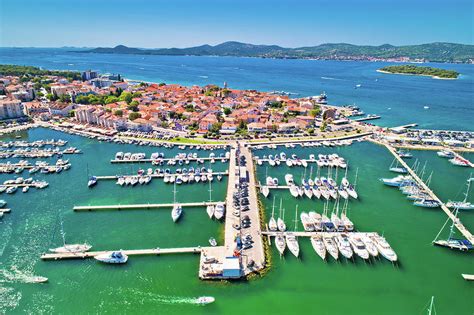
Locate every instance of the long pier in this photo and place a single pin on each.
(130, 252)
(147, 206)
(367, 118)
(5, 210)
(310, 234)
(107, 177)
(457, 223)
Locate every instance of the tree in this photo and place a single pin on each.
(227, 111)
(133, 116)
(71, 113)
(118, 112)
(127, 97)
(315, 112)
(323, 126)
(52, 97)
(111, 99)
(215, 128)
(133, 106)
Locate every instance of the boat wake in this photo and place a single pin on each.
(149, 297)
(329, 78)
(203, 76)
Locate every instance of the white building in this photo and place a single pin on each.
(10, 109)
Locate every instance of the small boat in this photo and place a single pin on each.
(92, 182)
(318, 246)
(460, 161)
(37, 279)
(203, 300)
(294, 191)
(308, 224)
(25, 189)
(265, 191)
(11, 190)
(280, 243)
(71, 248)
(176, 212)
(112, 258)
(213, 241)
(404, 154)
(3, 203)
(445, 153)
(397, 181)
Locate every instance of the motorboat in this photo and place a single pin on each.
(71, 248)
(289, 180)
(359, 246)
(445, 153)
(292, 243)
(265, 191)
(219, 210)
(318, 246)
(3, 203)
(384, 248)
(331, 247)
(344, 245)
(308, 224)
(176, 212)
(280, 243)
(294, 191)
(203, 300)
(426, 203)
(370, 245)
(92, 181)
(116, 257)
(212, 241)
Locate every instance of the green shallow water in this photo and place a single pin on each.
(166, 284)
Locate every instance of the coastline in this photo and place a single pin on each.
(419, 75)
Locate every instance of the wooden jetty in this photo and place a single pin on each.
(156, 175)
(147, 206)
(310, 234)
(131, 252)
(457, 222)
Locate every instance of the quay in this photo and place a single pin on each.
(115, 161)
(366, 118)
(147, 206)
(130, 252)
(457, 222)
(157, 175)
(310, 234)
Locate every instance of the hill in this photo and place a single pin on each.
(434, 52)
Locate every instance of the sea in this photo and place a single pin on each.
(169, 284)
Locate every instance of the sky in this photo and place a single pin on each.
(185, 23)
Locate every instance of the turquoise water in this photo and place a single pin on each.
(167, 284)
(398, 99)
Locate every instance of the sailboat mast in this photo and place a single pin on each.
(273, 206)
(210, 191)
(431, 306)
(296, 217)
(174, 193)
(311, 172)
(467, 189)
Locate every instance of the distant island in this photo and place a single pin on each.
(433, 52)
(436, 73)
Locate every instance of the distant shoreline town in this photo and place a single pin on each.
(433, 52)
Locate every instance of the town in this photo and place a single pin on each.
(113, 104)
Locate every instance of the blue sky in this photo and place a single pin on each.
(184, 23)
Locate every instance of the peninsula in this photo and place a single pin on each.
(435, 73)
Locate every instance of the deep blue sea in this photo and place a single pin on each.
(399, 99)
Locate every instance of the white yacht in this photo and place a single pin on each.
(176, 212)
(71, 248)
(112, 258)
(307, 222)
(331, 247)
(318, 246)
(280, 243)
(359, 246)
(384, 248)
(265, 191)
(219, 211)
(289, 180)
(344, 245)
(293, 245)
(210, 211)
(370, 246)
(294, 191)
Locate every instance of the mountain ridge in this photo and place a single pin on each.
(434, 52)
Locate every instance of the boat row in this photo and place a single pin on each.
(321, 187)
(33, 144)
(347, 245)
(453, 158)
(37, 153)
(12, 185)
(160, 156)
(413, 191)
(331, 160)
(307, 144)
